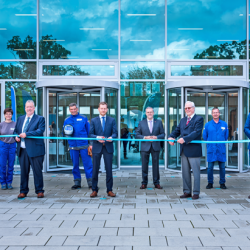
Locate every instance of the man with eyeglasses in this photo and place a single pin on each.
(189, 129)
(216, 130)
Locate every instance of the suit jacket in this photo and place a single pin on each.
(247, 128)
(109, 131)
(189, 133)
(143, 130)
(36, 127)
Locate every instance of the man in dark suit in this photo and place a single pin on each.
(30, 151)
(150, 129)
(189, 129)
(103, 126)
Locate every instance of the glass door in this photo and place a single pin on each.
(57, 111)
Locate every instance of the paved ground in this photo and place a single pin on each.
(136, 219)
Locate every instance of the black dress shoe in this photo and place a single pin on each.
(143, 186)
(223, 186)
(158, 186)
(185, 195)
(195, 197)
(209, 186)
(249, 197)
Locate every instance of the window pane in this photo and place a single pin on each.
(142, 29)
(17, 70)
(206, 29)
(142, 70)
(18, 29)
(135, 98)
(207, 70)
(79, 29)
(78, 70)
(24, 91)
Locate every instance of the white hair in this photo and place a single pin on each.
(30, 101)
(192, 103)
(149, 108)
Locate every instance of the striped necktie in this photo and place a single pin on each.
(188, 120)
(25, 127)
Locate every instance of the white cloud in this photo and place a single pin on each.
(157, 54)
(186, 49)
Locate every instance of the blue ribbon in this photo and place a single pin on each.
(113, 139)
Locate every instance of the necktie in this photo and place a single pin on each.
(150, 126)
(103, 123)
(25, 127)
(188, 120)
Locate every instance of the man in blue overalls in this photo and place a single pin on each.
(77, 125)
(216, 130)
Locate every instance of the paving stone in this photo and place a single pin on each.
(225, 241)
(82, 240)
(25, 241)
(62, 231)
(11, 224)
(125, 241)
(157, 232)
(12, 231)
(158, 241)
(212, 224)
(52, 211)
(154, 217)
(39, 223)
(124, 223)
(94, 223)
(195, 232)
(56, 241)
(73, 217)
(102, 231)
(238, 232)
(158, 248)
(32, 231)
(125, 231)
(53, 248)
(183, 241)
(19, 217)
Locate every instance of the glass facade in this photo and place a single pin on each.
(147, 47)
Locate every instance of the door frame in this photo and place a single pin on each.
(226, 92)
(61, 91)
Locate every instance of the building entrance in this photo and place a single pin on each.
(87, 99)
(232, 102)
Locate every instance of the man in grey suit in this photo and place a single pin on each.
(149, 129)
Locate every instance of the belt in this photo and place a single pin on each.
(79, 148)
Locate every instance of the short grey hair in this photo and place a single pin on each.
(149, 108)
(30, 101)
(72, 104)
(192, 103)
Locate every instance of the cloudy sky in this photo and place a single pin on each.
(89, 29)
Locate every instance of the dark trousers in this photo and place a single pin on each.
(155, 165)
(37, 166)
(108, 157)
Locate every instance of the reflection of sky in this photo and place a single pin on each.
(93, 70)
(142, 29)
(214, 20)
(13, 22)
(127, 67)
(89, 29)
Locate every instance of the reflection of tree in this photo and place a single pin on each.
(143, 73)
(224, 51)
(62, 70)
(29, 87)
(22, 70)
(48, 46)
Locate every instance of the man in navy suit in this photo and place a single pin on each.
(247, 132)
(190, 128)
(103, 126)
(30, 151)
(150, 129)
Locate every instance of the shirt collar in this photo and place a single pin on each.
(102, 116)
(192, 115)
(26, 117)
(215, 122)
(150, 120)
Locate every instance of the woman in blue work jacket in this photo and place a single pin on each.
(7, 150)
(216, 130)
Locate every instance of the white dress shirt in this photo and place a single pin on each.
(101, 118)
(26, 118)
(152, 123)
(191, 116)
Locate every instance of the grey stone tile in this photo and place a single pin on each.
(5, 224)
(158, 248)
(68, 224)
(73, 217)
(32, 231)
(94, 223)
(196, 232)
(213, 224)
(128, 211)
(204, 248)
(16, 248)
(189, 217)
(242, 223)
(23, 241)
(82, 240)
(177, 224)
(203, 211)
(107, 217)
(123, 248)
(155, 224)
(126, 231)
(158, 241)
(225, 241)
(128, 223)
(184, 241)
(238, 232)
(12, 231)
(63, 232)
(96, 248)
(157, 232)
(96, 210)
(124, 241)
(56, 241)
(102, 231)
(155, 217)
(19, 217)
(53, 211)
(53, 248)
(39, 223)
(6, 217)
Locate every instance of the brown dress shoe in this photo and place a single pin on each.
(249, 197)
(40, 195)
(143, 186)
(111, 194)
(21, 195)
(93, 194)
(195, 197)
(185, 195)
(158, 186)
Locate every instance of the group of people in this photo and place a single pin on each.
(31, 151)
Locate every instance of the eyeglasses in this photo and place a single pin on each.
(187, 108)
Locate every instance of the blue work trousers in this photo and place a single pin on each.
(210, 175)
(7, 154)
(87, 163)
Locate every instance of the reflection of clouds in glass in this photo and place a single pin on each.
(186, 49)
(157, 53)
(233, 17)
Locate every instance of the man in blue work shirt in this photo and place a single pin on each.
(77, 125)
(216, 130)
